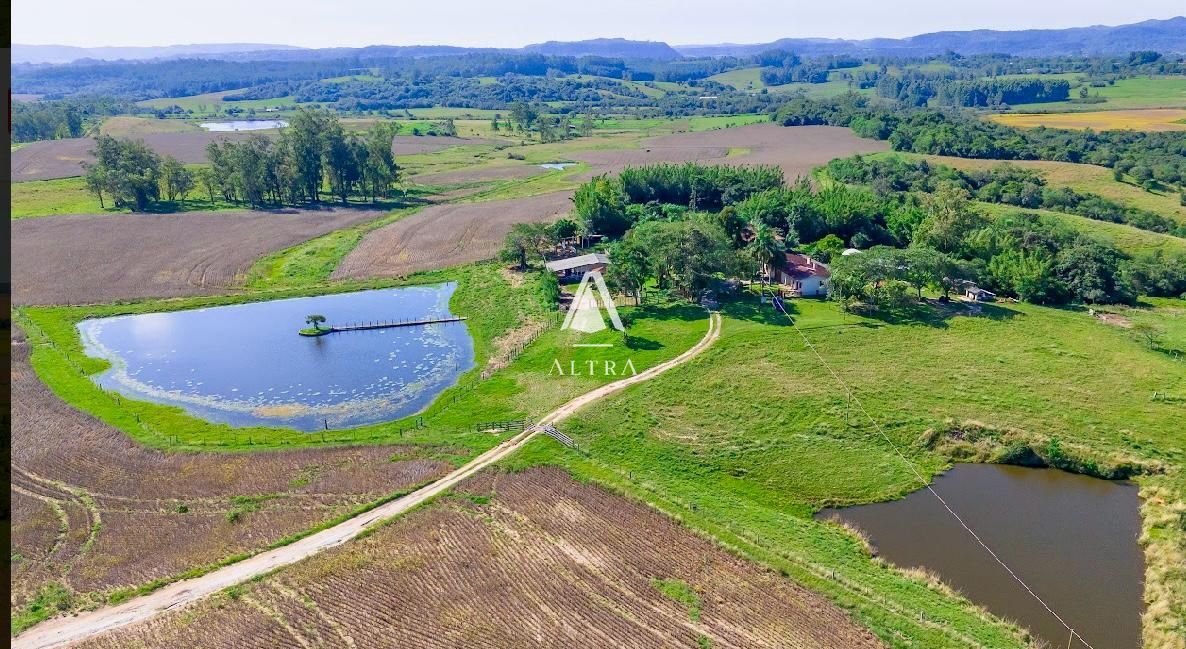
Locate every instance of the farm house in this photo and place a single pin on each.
(578, 266)
(977, 294)
(803, 275)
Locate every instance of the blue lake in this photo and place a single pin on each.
(245, 365)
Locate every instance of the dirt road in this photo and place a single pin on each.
(65, 630)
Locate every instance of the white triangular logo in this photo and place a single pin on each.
(585, 312)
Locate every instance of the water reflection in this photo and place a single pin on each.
(246, 365)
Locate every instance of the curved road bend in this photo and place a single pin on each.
(65, 630)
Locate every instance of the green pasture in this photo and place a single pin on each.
(747, 441)
(37, 198)
(484, 295)
(1135, 92)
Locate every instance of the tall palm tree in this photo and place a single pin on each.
(765, 247)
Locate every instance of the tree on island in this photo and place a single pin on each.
(315, 320)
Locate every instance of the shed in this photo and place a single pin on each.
(977, 294)
(578, 265)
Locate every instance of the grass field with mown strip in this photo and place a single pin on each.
(748, 440)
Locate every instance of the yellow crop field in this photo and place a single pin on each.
(1146, 119)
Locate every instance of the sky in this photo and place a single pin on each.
(513, 23)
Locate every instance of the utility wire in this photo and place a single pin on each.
(778, 303)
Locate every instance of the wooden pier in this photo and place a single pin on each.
(385, 324)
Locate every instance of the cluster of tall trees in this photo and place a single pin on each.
(911, 240)
(781, 67)
(470, 92)
(125, 172)
(1003, 183)
(130, 175)
(611, 205)
(917, 89)
(527, 242)
(313, 157)
(526, 117)
(883, 277)
(135, 80)
(681, 255)
(1002, 92)
(1151, 158)
(56, 120)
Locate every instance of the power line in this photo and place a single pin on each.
(778, 303)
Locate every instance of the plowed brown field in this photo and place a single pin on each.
(64, 158)
(532, 559)
(796, 150)
(90, 258)
(94, 510)
(446, 235)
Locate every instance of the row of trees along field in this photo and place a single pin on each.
(1155, 159)
(187, 77)
(56, 120)
(684, 224)
(1005, 183)
(312, 157)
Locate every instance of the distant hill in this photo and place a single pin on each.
(69, 53)
(608, 47)
(1162, 35)
(1167, 36)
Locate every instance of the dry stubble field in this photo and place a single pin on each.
(94, 510)
(91, 258)
(795, 150)
(514, 560)
(63, 158)
(446, 235)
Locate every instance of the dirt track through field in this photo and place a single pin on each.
(446, 235)
(63, 158)
(93, 258)
(64, 630)
(529, 558)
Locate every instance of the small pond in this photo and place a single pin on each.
(561, 166)
(246, 365)
(244, 125)
(1072, 538)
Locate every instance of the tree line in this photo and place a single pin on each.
(1153, 159)
(1004, 183)
(909, 241)
(611, 205)
(313, 156)
(56, 120)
